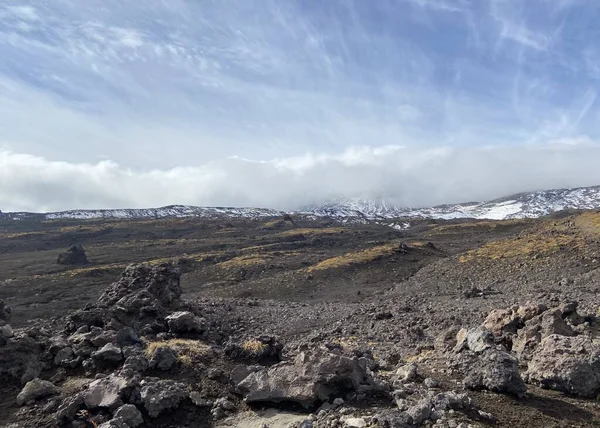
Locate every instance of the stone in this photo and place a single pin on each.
(431, 383)
(68, 409)
(127, 337)
(75, 255)
(114, 423)
(308, 379)
(159, 396)
(446, 340)
(108, 353)
(497, 371)
(130, 415)
(500, 321)
(214, 373)
(109, 391)
(355, 423)
(420, 411)
(476, 340)
(567, 364)
(66, 358)
(185, 322)
(6, 332)
(137, 363)
(408, 373)
(163, 358)
(36, 389)
(5, 312)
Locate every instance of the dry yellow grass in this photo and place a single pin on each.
(488, 224)
(550, 237)
(254, 347)
(313, 231)
(245, 260)
(358, 257)
(187, 350)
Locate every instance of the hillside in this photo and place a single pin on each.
(364, 289)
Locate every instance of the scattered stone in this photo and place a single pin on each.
(185, 322)
(159, 396)
(408, 373)
(109, 391)
(127, 337)
(108, 353)
(476, 340)
(36, 389)
(130, 415)
(431, 383)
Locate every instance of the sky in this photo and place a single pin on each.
(283, 103)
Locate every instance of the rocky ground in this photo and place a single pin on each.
(300, 324)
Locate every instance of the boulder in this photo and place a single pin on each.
(109, 392)
(185, 322)
(5, 312)
(567, 364)
(130, 415)
(75, 255)
(108, 353)
(497, 371)
(6, 332)
(159, 396)
(476, 340)
(163, 358)
(311, 378)
(36, 389)
(537, 328)
(66, 358)
(20, 357)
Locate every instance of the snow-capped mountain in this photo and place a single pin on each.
(522, 205)
(171, 211)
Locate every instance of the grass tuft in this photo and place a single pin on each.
(187, 350)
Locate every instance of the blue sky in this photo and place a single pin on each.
(193, 92)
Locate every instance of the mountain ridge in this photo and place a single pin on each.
(519, 205)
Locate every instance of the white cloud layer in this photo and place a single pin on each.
(402, 175)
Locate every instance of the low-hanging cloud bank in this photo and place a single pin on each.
(405, 176)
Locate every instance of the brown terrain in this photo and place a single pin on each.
(308, 305)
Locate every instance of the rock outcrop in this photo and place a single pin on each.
(75, 255)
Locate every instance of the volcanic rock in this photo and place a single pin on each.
(75, 255)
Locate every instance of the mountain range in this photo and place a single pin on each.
(521, 205)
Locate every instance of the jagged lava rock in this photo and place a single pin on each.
(307, 380)
(36, 389)
(75, 255)
(567, 364)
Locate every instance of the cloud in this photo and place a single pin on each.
(406, 176)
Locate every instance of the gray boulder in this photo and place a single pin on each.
(184, 322)
(6, 332)
(159, 396)
(75, 255)
(36, 389)
(476, 340)
(130, 415)
(66, 358)
(5, 312)
(108, 353)
(109, 392)
(307, 380)
(497, 371)
(567, 364)
(163, 358)
(114, 423)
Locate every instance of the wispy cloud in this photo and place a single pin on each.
(156, 85)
